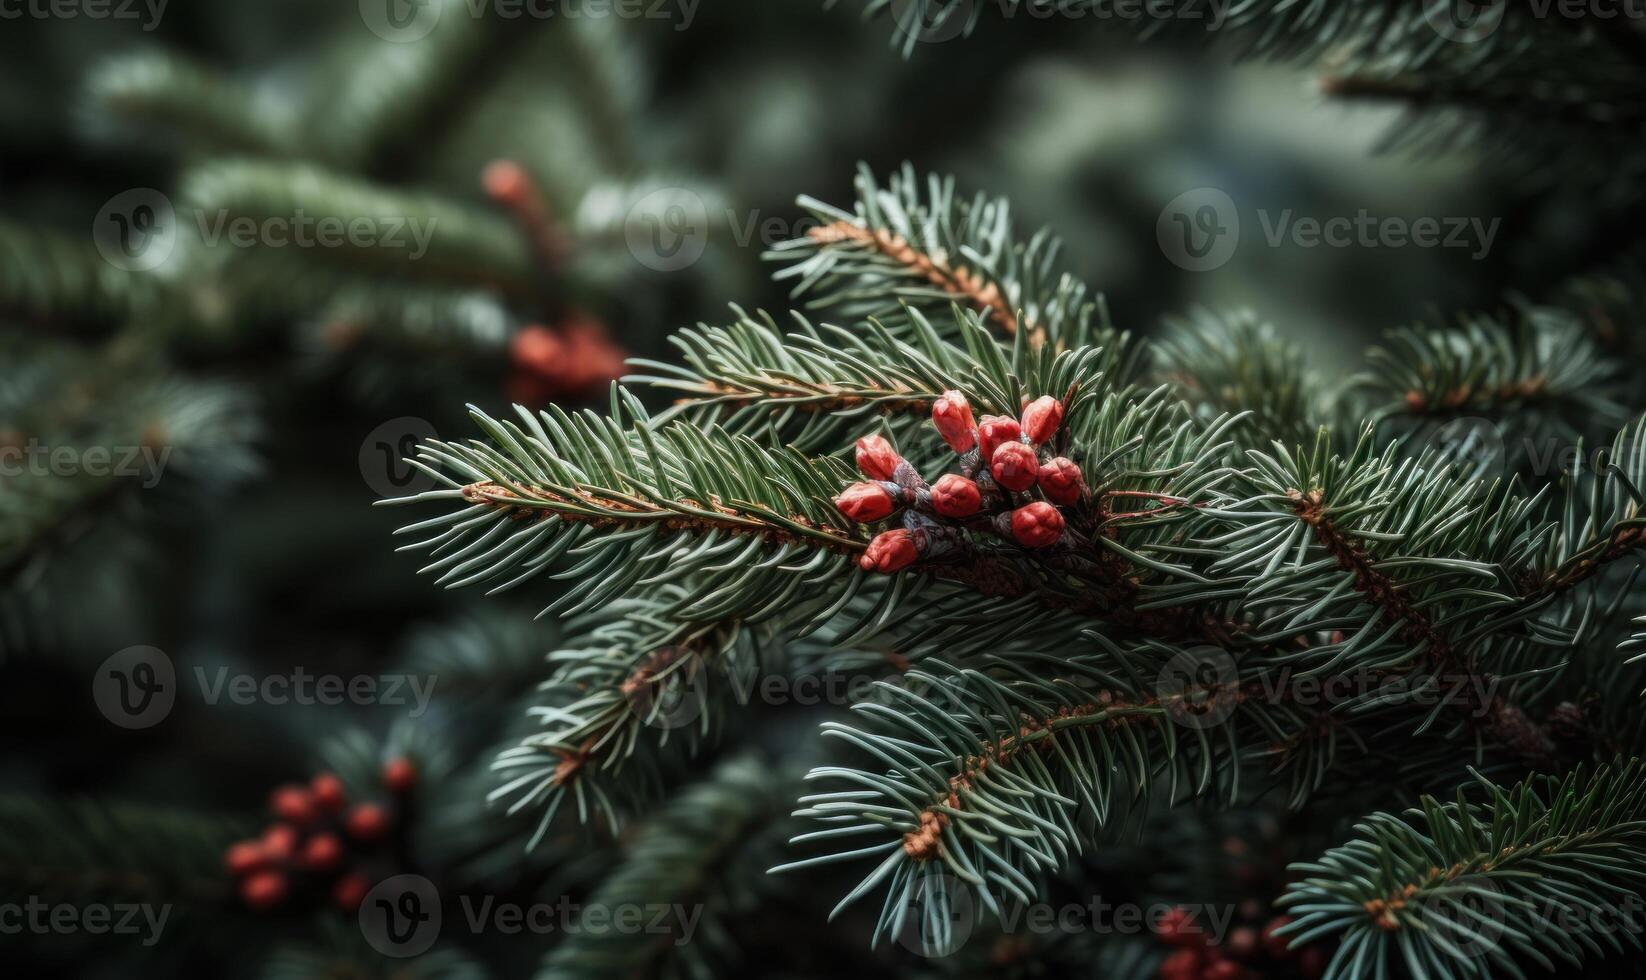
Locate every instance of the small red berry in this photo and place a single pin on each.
(244, 857)
(1042, 419)
(866, 502)
(1243, 943)
(538, 349)
(955, 496)
(1312, 962)
(1015, 467)
(1178, 928)
(876, 457)
(1277, 944)
(505, 181)
(279, 842)
(1181, 965)
(953, 417)
(327, 791)
(399, 775)
(993, 432)
(367, 821)
(350, 891)
(890, 551)
(293, 804)
(1037, 525)
(264, 890)
(1221, 969)
(322, 852)
(1061, 482)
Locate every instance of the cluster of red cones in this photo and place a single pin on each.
(1009, 483)
(319, 840)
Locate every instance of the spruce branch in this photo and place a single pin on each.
(901, 247)
(1539, 872)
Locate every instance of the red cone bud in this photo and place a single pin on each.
(264, 890)
(293, 804)
(399, 775)
(1277, 944)
(1014, 467)
(244, 857)
(889, 552)
(1243, 943)
(327, 791)
(536, 348)
(1037, 525)
(1042, 419)
(279, 842)
(367, 822)
(876, 457)
(1061, 482)
(1178, 926)
(506, 181)
(993, 432)
(955, 496)
(322, 852)
(953, 418)
(350, 891)
(865, 502)
(1181, 965)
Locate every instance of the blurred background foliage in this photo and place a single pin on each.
(268, 369)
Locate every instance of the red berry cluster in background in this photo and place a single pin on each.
(1009, 483)
(1244, 954)
(320, 842)
(576, 359)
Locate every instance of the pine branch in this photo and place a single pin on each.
(930, 251)
(201, 107)
(809, 387)
(693, 855)
(1530, 874)
(84, 848)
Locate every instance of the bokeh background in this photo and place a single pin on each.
(286, 380)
